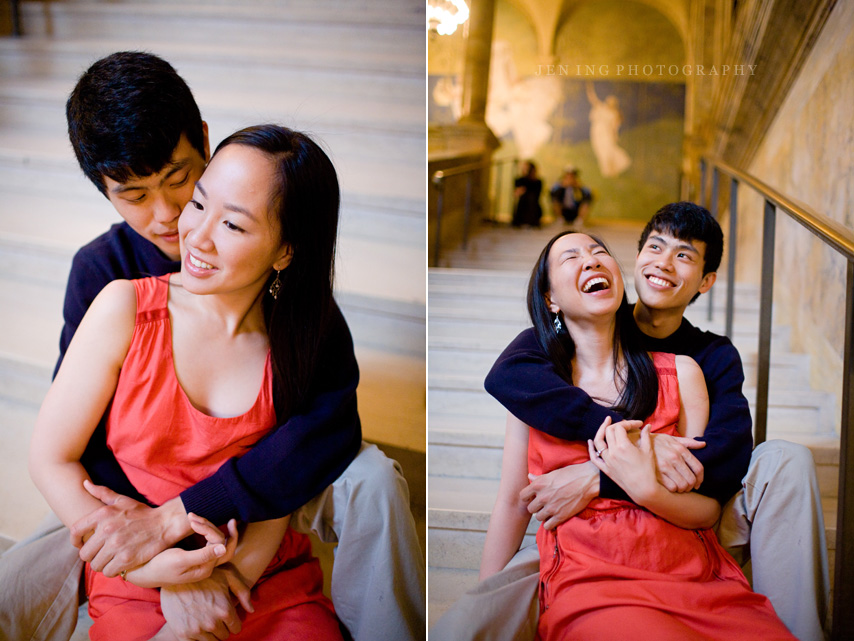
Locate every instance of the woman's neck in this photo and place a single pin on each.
(233, 313)
(593, 366)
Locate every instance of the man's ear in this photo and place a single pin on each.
(285, 258)
(707, 282)
(207, 142)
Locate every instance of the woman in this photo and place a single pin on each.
(528, 189)
(197, 367)
(645, 570)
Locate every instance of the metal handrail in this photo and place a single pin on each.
(438, 181)
(841, 239)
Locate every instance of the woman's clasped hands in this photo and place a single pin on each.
(629, 465)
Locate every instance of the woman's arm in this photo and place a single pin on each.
(510, 515)
(693, 398)
(78, 397)
(256, 548)
(633, 469)
(251, 555)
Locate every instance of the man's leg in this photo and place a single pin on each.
(777, 523)
(378, 575)
(39, 586)
(502, 607)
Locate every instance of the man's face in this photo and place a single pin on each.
(152, 204)
(669, 272)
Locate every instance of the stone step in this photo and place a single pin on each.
(459, 505)
(465, 285)
(308, 32)
(40, 102)
(23, 505)
(466, 426)
(58, 231)
(492, 335)
(446, 586)
(788, 370)
(367, 163)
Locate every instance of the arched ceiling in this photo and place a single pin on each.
(547, 17)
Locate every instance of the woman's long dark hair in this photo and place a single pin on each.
(639, 393)
(305, 199)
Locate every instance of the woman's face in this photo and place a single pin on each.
(585, 279)
(229, 239)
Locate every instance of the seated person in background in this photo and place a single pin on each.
(140, 139)
(569, 198)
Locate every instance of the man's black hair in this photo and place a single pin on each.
(687, 221)
(126, 115)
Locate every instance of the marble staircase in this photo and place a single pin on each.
(476, 309)
(349, 74)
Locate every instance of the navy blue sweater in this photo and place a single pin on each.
(281, 472)
(524, 381)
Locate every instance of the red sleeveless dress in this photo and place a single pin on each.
(616, 571)
(165, 445)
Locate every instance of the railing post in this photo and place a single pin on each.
(716, 216)
(766, 299)
(439, 183)
(843, 584)
(467, 213)
(733, 237)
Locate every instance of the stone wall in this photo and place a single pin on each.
(807, 156)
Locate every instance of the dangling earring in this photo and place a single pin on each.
(275, 286)
(558, 325)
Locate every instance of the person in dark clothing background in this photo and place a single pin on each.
(528, 190)
(569, 198)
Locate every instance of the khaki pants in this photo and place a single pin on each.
(377, 577)
(775, 521)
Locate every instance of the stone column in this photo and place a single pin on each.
(478, 53)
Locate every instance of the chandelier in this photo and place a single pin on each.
(444, 16)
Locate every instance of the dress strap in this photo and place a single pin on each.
(152, 298)
(665, 363)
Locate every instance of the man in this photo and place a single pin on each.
(569, 198)
(771, 514)
(139, 137)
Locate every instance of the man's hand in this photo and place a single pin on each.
(561, 494)
(677, 469)
(125, 534)
(205, 610)
(176, 566)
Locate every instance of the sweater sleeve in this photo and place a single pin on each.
(85, 281)
(728, 435)
(298, 459)
(525, 382)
